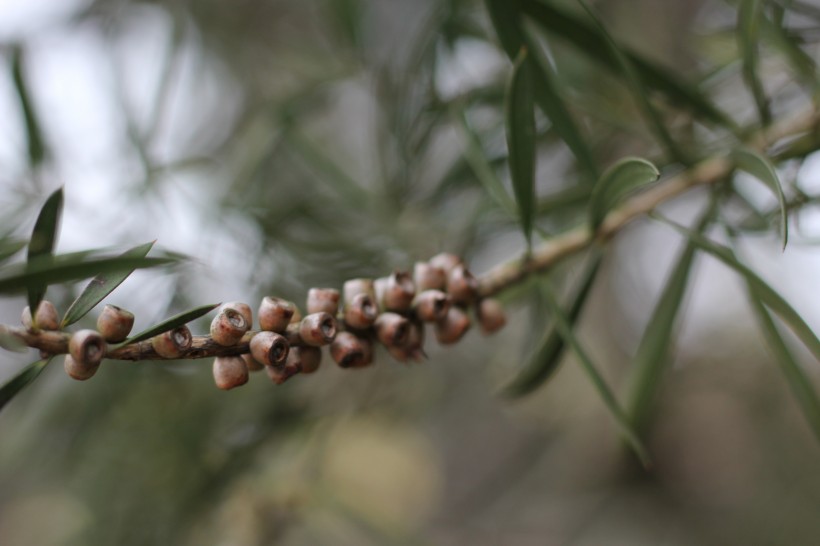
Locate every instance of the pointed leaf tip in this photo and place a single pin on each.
(620, 179)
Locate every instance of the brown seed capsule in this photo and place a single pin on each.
(78, 371)
(279, 375)
(46, 317)
(115, 323)
(275, 314)
(491, 316)
(323, 300)
(173, 343)
(413, 348)
(392, 329)
(351, 351)
(360, 312)
(445, 261)
(461, 285)
(269, 348)
(453, 326)
(432, 305)
(317, 329)
(306, 359)
(429, 277)
(243, 308)
(230, 372)
(228, 327)
(251, 363)
(396, 292)
(87, 347)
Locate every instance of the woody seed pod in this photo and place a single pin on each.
(323, 300)
(269, 348)
(491, 316)
(251, 363)
(115, 323)
(279, 375)
(275, 314)
(445, 261)
(87, 347)
(413, 348)
(351, 351)
(228, 327)
(230, 372)
(243, 308)
(392, 329)
(46, 317)
(317, 329)
(453, 326)
(461, 285)
(78, 371)
(429, 277)
(397, 291)
(360, 312)
(432, 305)
(173, 343)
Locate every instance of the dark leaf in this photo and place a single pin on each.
(34, 134)
(102, 285)
(619, 180)
(546, 359)
(10, 247)
(749, 16)
(520, 118)
(758, 166)
(20, 381)
(41, 244)
(171, 323)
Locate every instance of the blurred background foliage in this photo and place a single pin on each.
(285, 144)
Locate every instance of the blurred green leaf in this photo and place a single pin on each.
(57, 269)
(10, 247)
(637, 89)
(20, 381)
(34, 134)
(41, 244)
(758, 166)
(555, 19)
(749, 15)
(800, 383)
(482, 168)
(620, 179)
(546, 359)
(653, 352)
(763, 291)
(789, 46)
(520, 118)
(507, 23)
(562, 325)
(102, 285)
(171, 323)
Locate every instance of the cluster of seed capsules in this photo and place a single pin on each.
(391, 310)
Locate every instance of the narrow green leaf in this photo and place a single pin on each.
(758, 166)
(653, 352)
(563, 327)
(10, 247)
(42, 272)
(800, 383)
(507, 23)
(43, 238)
(20, 381)
(789, 47)
(620, 179)
(638, 90)
(482, 168)
(764, 292)
(520, 118)
(749, 15)
(542, 365)
(557, 20)
(171, 323)
(102, 285)
(34, 134)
